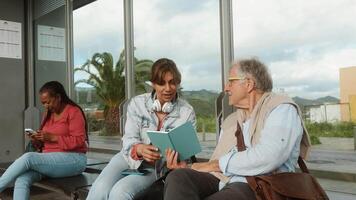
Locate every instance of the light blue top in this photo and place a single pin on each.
(140, 118)
(278, 147)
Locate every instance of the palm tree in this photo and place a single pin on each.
(109, 83)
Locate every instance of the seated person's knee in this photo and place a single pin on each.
(177, 175)
(120, 191)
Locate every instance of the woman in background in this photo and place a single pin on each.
(63, 133)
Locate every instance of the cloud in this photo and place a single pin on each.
(309, 75)
(276, 25)
(98, 27)
(304, 42)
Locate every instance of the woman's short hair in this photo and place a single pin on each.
(258, 71)
(161, 67)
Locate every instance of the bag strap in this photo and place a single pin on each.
(242, 147)
(302, 165)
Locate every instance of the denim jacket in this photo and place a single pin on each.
(140, 118)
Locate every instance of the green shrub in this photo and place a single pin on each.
(94, 124)
(324, 129)
(209, 123)
(314, 140)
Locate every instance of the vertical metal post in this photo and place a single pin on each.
(355, 138)
(69, 46)
(29, 53)
(31, 113)
(227, 48)
(129, 49)
(204, 132)
(226, 38)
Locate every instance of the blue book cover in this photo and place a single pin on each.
(182, 139)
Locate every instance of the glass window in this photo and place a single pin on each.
(98, 33)
(298, 40)
(310, 48)
(187, 32)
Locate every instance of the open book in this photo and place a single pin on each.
(182, 139)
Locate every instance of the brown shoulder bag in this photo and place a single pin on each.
(286, 185)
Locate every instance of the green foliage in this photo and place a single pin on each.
(203, 102)
(209, 123)
(107, 80)
(203, 95)
(314, 139)
(109, 83)
(324, 129)
(202, 108)
(95, 124)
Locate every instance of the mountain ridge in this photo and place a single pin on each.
(203, 101)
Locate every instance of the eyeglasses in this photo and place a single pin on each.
(235, 78)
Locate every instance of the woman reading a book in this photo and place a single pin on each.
(63, 134)
(161, 110)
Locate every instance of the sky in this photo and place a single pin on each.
(304, 43)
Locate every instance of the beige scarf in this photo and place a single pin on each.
(260, 113)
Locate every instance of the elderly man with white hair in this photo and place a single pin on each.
(272, 130)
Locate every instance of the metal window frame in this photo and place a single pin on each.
(227, 50)
(129, 49)
(69, 46)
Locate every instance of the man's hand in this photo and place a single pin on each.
(44, 136)
(172, 160)
(148, 152)
(212, 166)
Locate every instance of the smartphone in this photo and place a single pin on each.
(29, 131)
(134, 172)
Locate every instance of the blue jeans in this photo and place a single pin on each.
(32, 167)
(113, 186)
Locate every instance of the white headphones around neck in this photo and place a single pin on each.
(166, 108)
(157, 107)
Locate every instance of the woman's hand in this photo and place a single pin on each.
(148, 152)
(44, 136)
(172, 160)
(212, 166)
(31, 136)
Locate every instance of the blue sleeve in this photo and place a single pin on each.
(132, 128)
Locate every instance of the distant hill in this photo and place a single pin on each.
(203, 101)
(202, 108)
(328, 99)
(322, 100)
(204, 95)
